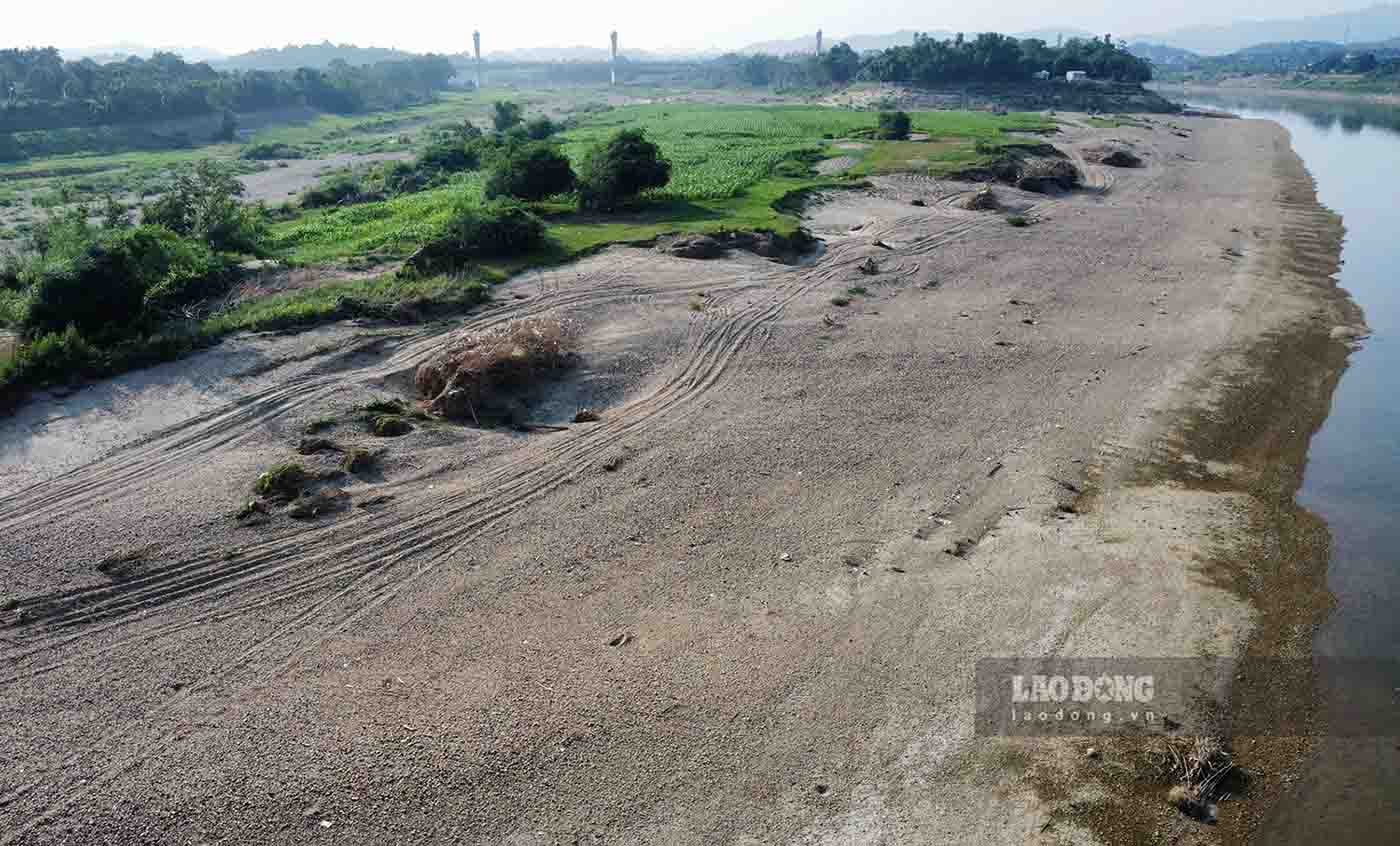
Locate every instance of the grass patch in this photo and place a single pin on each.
(858, 291)
(282, 481)
(1018, 221)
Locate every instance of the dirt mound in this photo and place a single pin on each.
(694, 247)
(1121, 158)
(984, 200)
(479, 372)
(766, 244)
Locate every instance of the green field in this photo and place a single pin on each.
(732, 168)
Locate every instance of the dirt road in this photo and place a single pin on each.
(744, 607)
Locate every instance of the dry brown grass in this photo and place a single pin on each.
(475, 371)
(1199, 766)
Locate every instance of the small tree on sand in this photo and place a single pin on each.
(625, 166)
(894, 126)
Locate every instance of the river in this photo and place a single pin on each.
(1350, 792)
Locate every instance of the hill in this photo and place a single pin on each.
(321, 55)
(1378, 22)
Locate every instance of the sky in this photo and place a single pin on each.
(423, 26)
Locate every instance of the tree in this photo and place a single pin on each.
(540, 128)
(228, 127)
(505, 115)
(620, 169)
(841, 62)
(531, 172)
(894, 126)
(203, 204)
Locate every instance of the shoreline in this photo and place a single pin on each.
(1330, 95)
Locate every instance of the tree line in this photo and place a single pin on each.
(41, 91)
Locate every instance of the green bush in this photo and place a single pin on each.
(449, 155)
(115, 278)
(540, 128)
(531, 172)
(268, 152)
(620, 169)
(894, 126)
(333, 191)
(204, 204)
(505, 115)
(500, 228)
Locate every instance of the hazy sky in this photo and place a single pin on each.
(446, 27)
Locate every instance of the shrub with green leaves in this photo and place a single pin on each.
(115, 276)
(499, 228)
(531, 172)
(620, 169)
(894, 126)
(449, 155)
(505, 115)
(204, 204)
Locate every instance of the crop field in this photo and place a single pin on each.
(731, 168)
(392, 227)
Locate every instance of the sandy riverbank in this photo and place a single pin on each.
(745, 606)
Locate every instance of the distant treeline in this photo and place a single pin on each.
(988, 57)
(991, 57)
(1378, 61)
(41, 91)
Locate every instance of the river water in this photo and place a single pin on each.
(1351, 790)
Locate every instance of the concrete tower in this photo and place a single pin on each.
(476, 46)
(613, 67)
(819, 42)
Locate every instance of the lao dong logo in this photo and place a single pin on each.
(1102, 700)
(1082, 689)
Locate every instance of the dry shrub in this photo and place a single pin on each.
(983, 200)
(475, 371)
(1198, 765)
(1043, 175)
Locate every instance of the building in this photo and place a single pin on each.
(1076, 76)
(1042, 75)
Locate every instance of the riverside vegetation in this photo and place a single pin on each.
(98, 287)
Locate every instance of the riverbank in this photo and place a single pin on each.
(746, 604)
(1266, 88)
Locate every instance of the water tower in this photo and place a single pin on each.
(613, 67)
(476, 46)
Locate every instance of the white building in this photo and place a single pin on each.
(1076, 76)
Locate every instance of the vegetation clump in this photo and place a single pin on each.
(282, 481)
(388, 426)
(531, 171)
(894, 126)
(499, 228)
(476, 372)
(620, 169)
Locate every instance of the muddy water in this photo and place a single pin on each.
(1350, 792)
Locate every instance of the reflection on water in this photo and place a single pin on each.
(1351, 790)
(1346, 115)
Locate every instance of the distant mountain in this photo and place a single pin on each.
(124, 49)
(1372, 24)
(1163, 56)
(321, 55)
